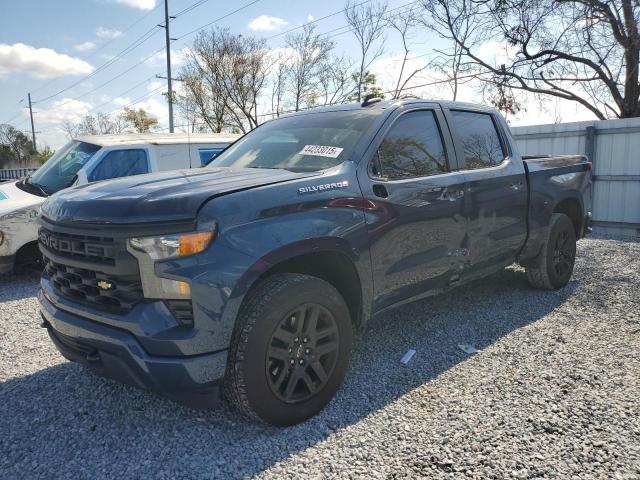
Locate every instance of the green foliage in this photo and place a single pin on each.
(44, 155)
(368, 86)
(139, 120)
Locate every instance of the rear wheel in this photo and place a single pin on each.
(553, 267)
(290, 349)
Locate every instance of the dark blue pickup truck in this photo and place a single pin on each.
(251, 275)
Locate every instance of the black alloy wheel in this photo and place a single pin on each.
(563, 253)
(302, 353)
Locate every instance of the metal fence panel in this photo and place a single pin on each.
(14, 173)
(614, 148)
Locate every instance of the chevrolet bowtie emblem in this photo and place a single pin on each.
(104, 285)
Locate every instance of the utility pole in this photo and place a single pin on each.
(168, 40)
(33, 130)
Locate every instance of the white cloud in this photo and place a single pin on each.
(139, 4)
(85, 47)
(310, 18)
(103, 32)
(154, 85)
(63, 109)
(267, 23)
(178, 57)
(121, 101)
(39, 62)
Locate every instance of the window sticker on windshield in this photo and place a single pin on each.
(321, 151)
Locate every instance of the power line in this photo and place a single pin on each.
(189, 8)
(139, 41)
(313, 21)
(104, 45)
(218, 19)
(112, 79)
(121, 94)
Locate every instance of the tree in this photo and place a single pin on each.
(139, 120)
(584, 51)
(44, 155)
(203, 99)
(234, 70)
(310, 52)
(367, 22)
(403, 22)
(18, 147)
(100, 124)
(368, 87)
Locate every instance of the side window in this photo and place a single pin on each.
(208, 154)
(482, 145)
(120, 163)
(412, 147)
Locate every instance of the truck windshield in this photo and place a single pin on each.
(301, 143)
(60, 170)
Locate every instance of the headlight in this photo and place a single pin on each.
(172, 246)
(149, 249)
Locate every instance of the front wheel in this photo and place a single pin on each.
(553, 267)
(290, 349)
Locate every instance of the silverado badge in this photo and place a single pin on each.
(322, 187)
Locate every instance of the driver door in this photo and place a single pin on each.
(417, 230)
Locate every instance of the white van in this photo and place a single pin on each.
(90, 159)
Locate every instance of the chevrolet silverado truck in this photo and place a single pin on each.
(249, 277)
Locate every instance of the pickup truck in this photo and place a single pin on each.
(250, 277)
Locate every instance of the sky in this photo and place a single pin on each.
(79, 57)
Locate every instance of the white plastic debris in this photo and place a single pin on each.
(467, 348)
(406, 358)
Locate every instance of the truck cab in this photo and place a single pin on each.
(251, 275)
(89, 159)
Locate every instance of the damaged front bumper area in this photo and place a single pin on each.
(116, 353)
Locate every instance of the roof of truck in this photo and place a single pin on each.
(394, 103)
(157, 138)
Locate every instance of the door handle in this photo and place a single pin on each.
(380, 191)
(516, 186)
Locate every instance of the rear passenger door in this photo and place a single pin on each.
(495, 203)
(414, 212)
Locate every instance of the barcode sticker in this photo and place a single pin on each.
(321, 151)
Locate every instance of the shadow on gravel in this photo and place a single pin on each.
(63, 421)
(16, 286)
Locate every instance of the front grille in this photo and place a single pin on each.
(100, 250)
(96, 289)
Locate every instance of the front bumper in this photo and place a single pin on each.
(115, 353)
(7, 263)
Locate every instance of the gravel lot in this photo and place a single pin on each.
(553, 392)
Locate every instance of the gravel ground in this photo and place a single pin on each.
(553, 392)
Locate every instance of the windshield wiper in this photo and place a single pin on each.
(37, 186)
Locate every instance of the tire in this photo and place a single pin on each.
(553, 267)
(275, 345)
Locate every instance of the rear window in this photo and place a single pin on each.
(308, 142)
(482, 145)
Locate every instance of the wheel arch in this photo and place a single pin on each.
(330, 259)
(572, 207)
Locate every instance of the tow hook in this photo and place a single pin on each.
(93, 356)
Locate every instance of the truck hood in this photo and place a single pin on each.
(174, 196)
(12, 199)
